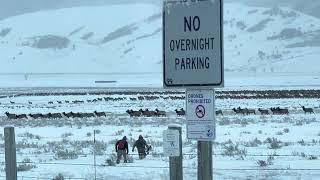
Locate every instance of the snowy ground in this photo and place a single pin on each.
(154, 80)
(288, 144)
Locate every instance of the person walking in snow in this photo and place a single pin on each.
(122, 149)
(141, 145)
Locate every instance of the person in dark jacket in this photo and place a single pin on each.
(122, 149)
(141, 145)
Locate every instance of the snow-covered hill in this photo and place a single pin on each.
(119, 38)
(270, 40)
(128, 38)
(307, 7)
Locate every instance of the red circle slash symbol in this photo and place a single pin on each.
(200, 111)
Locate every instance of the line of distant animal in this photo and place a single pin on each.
(274, 110)
(88, 100)
(56, 115)
(155, 94)
(78, 101)
(109, 99)
(148, 113)
(158, 113)
(239, 110)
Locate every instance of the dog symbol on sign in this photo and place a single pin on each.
(200, 111)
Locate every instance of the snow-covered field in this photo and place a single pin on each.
(247, 147)
(154, 80)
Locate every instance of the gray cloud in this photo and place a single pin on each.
(16, 7)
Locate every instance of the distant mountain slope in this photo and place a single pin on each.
(270, 40)
(127, 38)
(310, 7)
(118, 38)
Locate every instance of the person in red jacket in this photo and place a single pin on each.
(122, 149)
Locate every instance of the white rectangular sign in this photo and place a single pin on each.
(200, 115)
(193, 43)
(171, 145)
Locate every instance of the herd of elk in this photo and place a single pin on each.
(77, 101)
(239, 110)
(158, 113)
(56, 115)
(88, 100)
(247, 111)
(274, 110)
(146, 113)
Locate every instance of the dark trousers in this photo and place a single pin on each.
(121, 153)
(142, 153)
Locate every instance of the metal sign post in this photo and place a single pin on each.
(205, 171)
(173, 148)
(94, 154)
(10, 153)
(201, 126)
(193, 59)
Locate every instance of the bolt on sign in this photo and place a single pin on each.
(192, 43)
(200, 115)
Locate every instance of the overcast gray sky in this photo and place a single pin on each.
(15, 7)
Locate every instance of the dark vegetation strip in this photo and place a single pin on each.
(237, 94)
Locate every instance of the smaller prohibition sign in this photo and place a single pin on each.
(200, 111)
